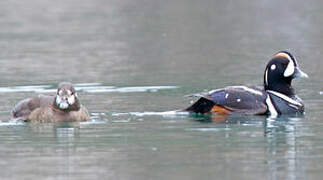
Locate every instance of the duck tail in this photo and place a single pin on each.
(202, 105)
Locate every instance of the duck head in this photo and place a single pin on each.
(66, 97)
(280, 71)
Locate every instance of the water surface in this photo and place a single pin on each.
(132, 62)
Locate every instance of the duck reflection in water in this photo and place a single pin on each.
(226, 118)
(282, 136)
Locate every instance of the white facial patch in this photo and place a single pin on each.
(60, 103)
(291, 65)
(273, 67)
(58, 100)
(63, 105)
(71, 99)
(69, 92)
(290, 68)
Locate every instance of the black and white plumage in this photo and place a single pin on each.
(276, 97)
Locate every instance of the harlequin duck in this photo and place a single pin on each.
(276, 97)
(64, 107)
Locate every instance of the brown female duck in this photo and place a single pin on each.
(64, 107)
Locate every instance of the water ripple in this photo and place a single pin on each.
(209, 129)
(85, 87)
(163, 114)
(11, 123)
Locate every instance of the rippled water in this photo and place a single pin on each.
(132, 62)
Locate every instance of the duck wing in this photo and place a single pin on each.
(232, 99)
(22, 110)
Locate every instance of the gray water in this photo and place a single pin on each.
(133, 61)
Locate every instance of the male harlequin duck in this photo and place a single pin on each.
(276, 97)
(64, 107)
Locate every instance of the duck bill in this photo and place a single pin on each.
(299, 73)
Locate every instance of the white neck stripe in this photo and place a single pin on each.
(293, 106)
(286, 98)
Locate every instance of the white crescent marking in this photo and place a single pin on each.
(291, 65)
(266, 79)
(290, 68)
